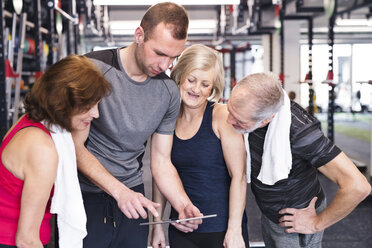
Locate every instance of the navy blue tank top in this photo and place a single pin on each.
(202, 169)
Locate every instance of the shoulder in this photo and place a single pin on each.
(306, 133)
(32, 135)
(301, 119)
(105, 58)
(31, 149)
(168, 83)
(219, 111)
(219, 118)
(35, 141)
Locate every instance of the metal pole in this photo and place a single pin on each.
(271, 51)
(13, 44)
(3, 106)
(22, 30)
(50, 37)
(281, 15)
(232, 67)
(75, 26)
(331, 93)
(37, 34)
(310, 75)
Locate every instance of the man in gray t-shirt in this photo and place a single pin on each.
(144, 103)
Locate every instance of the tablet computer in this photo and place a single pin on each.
(178, 221)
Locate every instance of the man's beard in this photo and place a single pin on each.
(243, 131)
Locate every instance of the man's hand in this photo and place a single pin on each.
(300, 220)
(189, 211)
(132, 204)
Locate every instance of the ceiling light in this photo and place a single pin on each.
(343, 29)
(353, 22)
(181, 2)
(199, 26)
(123, 27)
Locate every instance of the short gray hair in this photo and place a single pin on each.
(203, 58)
(265, 90)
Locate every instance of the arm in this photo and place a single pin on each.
(169, 183)
(235, 157)
(158, 236)
(131, 203)
(32, 157)
(353, 188)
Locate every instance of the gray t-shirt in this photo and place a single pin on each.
(128, 117)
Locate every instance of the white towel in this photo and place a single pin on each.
(67, 201)
(277, 155)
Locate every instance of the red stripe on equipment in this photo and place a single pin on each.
(9, 70)
(330, 75)
(38, 75)
(281, 78)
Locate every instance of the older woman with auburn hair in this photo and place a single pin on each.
(65, 99)
(208, 155)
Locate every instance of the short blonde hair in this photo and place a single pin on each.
(201, 57)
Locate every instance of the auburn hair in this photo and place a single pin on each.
(71, 86)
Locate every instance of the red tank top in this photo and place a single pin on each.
(11, 192)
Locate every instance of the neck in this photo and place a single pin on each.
(189, 114)
(129, 63)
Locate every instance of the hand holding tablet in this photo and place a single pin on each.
(178, 221)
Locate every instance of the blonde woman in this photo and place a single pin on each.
(208, 155)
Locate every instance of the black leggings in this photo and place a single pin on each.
(178, 239)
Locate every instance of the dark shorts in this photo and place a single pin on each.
(275, 236)
(178, 239)
(108, 227)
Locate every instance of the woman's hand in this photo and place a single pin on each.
(158, 237)
(234, 239)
